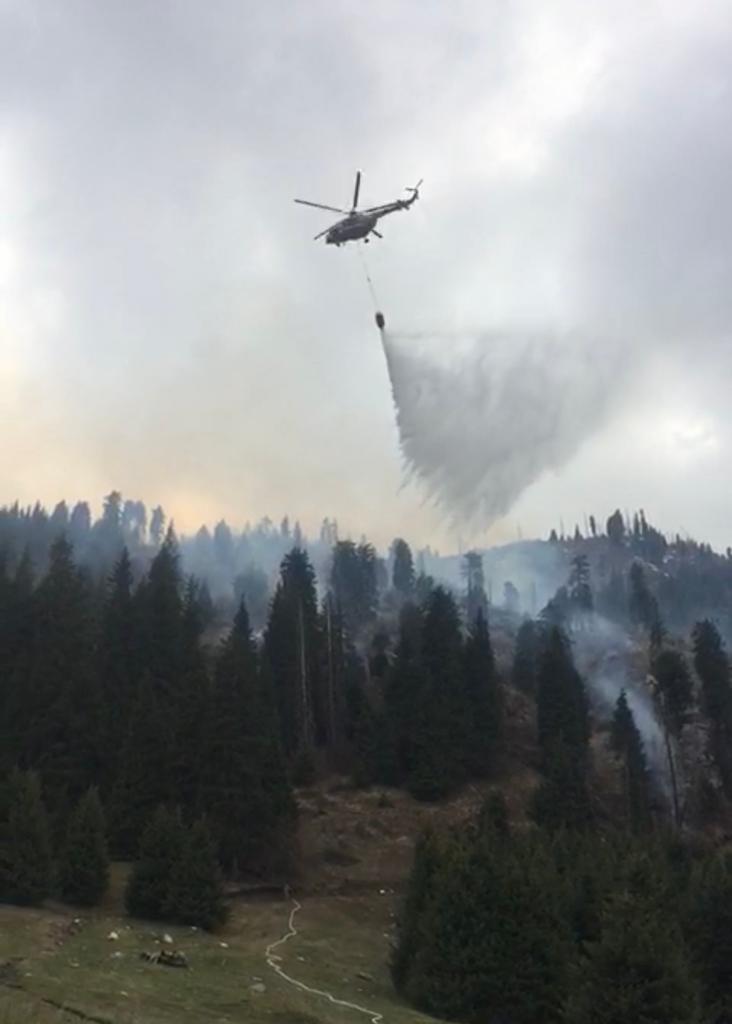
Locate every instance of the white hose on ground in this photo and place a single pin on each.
(273, 961)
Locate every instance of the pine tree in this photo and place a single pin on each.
(195, 894)
(712, 667)
(117, 665)
(61, 724)
(293, 648)
(161, 847)
(248, 795)
(709, 925)
(159, 602)
(353, 584)
(84, 867)
(525, 659)
(404, 687)
(475, 598)
(561, 800)
(25, 848)
(642, 605)
(616, 527)
(637, 971)
(483, 698)
(580, 589)
(145, 779)
(492, 944)
(675, 688)
(628, 745)
(441, 717)
(562, 707)
(417, 899)
(403, 569)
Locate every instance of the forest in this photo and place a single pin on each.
(164, 700)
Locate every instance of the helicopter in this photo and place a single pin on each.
(359, 223)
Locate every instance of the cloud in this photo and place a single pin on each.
(189, 339)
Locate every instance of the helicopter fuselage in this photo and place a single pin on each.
(351, 228)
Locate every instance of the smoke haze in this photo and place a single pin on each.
(168, 327)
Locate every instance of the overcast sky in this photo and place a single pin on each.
(169, 328)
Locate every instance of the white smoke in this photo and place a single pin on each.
(482, 416)
(608, 662)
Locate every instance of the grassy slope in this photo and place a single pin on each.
(340, 937)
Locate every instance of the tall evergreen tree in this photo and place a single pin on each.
(402, 575)
(525, 659)
(62, 714)
(475, 599)
(563, 732)
(483, 700)
(195, 894)
(404, 687)
(441, 716)
(160, 613)
(25, 846)
(293, 648)
(628, 745)
(145, 779)
(709, 926)
(562, 707)
(642, 605)
(248, 795)
(712, 667)
(84, 867)
(579, 586)
(160, 848)
(637, 971)
(493, 944)
(117, 665)
(353, 584)
(675, 687)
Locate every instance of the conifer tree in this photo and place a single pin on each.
(248, 795)
(628, 745)
(403, 569)
(159, 603)
(561, 800)
(117, 665)
(637, 971)
(709, 925)
(190, 707)
(161, 846)
(417, 899)
(441, 716)
(293, 649)
(84, 867)
(145, 779)
(525, 659)
(25, 847)
(712, 667)
(353, 584)
(62, 722)
(475, 598)
(483, 700)
(562, 707)
(493, 944)
(675, 688)
(580, 589)
(195, 894)
(404, 686)
(642, 605)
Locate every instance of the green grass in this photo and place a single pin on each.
(88, 973)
